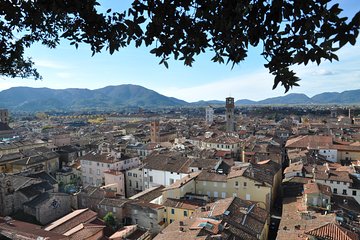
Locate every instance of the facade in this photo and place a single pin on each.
(16, 190)
(255, 182)
(317, 195)
(165, 169)
(209, 115)
(145, 215)
(4, 116)
(230, 115)
(155, 131)
(115, 180)
(134, 181)
(230, 218)
(48, 207)
(114, 205)
(340, 183)
(179, 209)
(93, 166)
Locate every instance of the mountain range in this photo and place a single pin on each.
(115, 97)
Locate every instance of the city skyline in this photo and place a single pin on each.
(66, 67)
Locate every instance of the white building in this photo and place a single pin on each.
(93, 166)
(134, 181)
(165, 169)
(209, 114)
(115, 181)
(329, 154)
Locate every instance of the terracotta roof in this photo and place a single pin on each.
(314, 188)
(295, 220)
(26, 230)
(230, 218)
(71, 220)
(191, 204)
(97, 157)
(84, 231)
(349, 148)
(334, 176)
(149, 194)
(310, 141)
(332, 231)
(170, 162)
(179, 183)
(294, 167)
(211, 176)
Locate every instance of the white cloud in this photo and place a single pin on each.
(253, 86)
(45, 63)
(64, 75)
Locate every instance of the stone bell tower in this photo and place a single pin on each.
(230, 117)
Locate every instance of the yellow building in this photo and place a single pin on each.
(231, 217)
(256, 182)
(179, 209)
(347, 152)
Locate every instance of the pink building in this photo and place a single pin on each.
(115, 180)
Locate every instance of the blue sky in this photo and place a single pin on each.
(66, 67)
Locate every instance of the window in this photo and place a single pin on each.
(335, 190)
(338, 182)
(344, 192)
(130, 183)
(136, 221)
(215, 184)
(171, 220)
(151, 225)
(129, 174)
(137, 184)
(224, 185)
(172, 211)
(223, 195)
(245, 184)
(331, 181)
(151, 178)
(216, 194)
(97, 164)
(185, 213)
(236, 183)
(134, 175)
(108, 165)
(171, 181)
(90, 170)
(98, 172)
(204, 183)
(354, 193)
(344, 183)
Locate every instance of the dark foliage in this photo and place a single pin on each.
(290, 31)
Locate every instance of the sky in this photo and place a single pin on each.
(66, 67)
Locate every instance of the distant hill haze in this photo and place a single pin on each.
(115, 97)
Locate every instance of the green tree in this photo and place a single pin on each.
(110, 220)
(289, 31)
